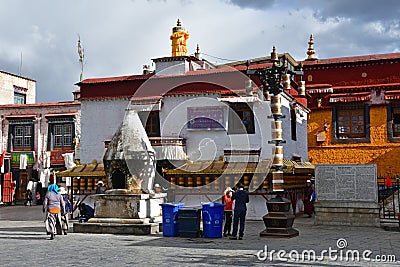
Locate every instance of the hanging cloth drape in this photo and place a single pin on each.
(23, 161)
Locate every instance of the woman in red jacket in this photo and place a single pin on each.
(228, 211)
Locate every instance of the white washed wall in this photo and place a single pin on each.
(7, 83)
(100, 120)
(298, 146)
(210, 144)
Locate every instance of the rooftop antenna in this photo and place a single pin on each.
(20, 65)
(81, 53)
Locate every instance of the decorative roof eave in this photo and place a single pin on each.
(392, 95)
(44, 104)
(221, 168)
(356, 97)
(84, 170)
(353, 60)
(320, 91)
(69, 114)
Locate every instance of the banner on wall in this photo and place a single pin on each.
(16, 158)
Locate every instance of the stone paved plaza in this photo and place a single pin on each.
(24, 243)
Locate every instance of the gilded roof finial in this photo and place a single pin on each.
(178, 37)
(310, 50)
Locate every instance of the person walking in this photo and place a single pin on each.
(228, 211)
(28, 197)
(68, 210)
(54, 207)
(240, 198)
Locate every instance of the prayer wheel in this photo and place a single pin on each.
(246, 182)
(277, 181)
(216, 184)
(286, 81)
(276, 105)
(190, 181)
(82, 184)
(207, 182)
(75, 184)
(277, 134)
(255, 181)
(199, 181)
(265, 183)
(173, 180)
(278, 156)
(301, 89)
(181, 181)
(89, 184)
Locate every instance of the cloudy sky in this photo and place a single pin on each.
(119, 37)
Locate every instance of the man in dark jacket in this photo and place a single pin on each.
(241, 198)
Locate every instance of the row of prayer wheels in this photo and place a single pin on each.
(85, 184)
(219, 183)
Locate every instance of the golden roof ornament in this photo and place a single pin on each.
(178, 37)
(310, 50)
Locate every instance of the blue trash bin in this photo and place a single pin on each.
(169, 218)
(213, 217)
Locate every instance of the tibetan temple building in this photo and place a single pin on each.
(355, 110)
(209, 125)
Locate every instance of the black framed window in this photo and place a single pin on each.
(241, 119)
(19, 98)
(21, 136)
(61, 134)
(351, 123)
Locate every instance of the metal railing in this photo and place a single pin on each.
(389, 205)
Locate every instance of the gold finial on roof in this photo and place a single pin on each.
(178, 37)
(310, 50)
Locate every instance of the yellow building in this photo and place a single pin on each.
(355, 110)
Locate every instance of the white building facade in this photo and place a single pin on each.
(15, 89)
